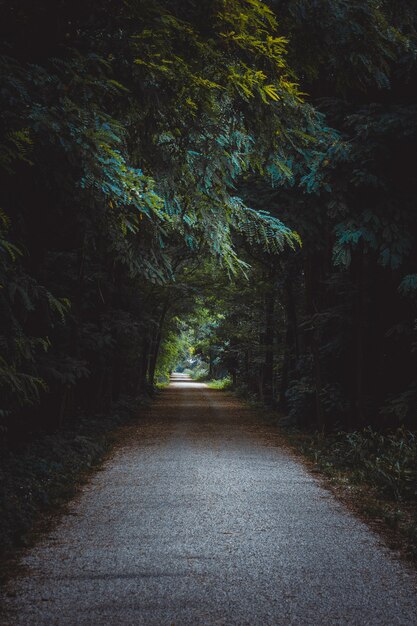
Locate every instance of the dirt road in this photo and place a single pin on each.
(203, 518)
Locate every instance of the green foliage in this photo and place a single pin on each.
(174, 349)
(154, 151)
(199, 372)
(384, 461)
(170, 195)
(354, 42)
(262, 229)
(402, 406)
(20, 297)
(300, 397)
(408, 285)
(44, 473)
(121, 147)
(214, 89)
(338, 345)
(222, 383)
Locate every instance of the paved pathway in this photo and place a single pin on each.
(201, 518)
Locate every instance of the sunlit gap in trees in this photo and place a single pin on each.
(192, 343)
(184, 382)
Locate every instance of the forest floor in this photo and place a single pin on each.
(202, 515)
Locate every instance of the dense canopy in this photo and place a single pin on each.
(226, 183)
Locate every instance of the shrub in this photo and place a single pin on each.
(387, 461)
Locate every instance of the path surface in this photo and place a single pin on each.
(202, 518)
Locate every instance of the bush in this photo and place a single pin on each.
(221, 383)
(200, 372)
(387, 462)
(300, 397)
(44, 473)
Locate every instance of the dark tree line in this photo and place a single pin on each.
(329, 332)
(160, 157)
(124, 131)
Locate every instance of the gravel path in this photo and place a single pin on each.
(201, 518)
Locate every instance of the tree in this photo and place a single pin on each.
(125, 131)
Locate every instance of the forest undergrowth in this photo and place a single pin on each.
(375, 474)
(41, 475)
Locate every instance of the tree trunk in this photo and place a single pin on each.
(291, 343)
(312, 339)
(156, 344)
(143, 364)
(358, 318)
(318, 382)
(269, 336)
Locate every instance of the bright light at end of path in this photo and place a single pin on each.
(184, 381)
